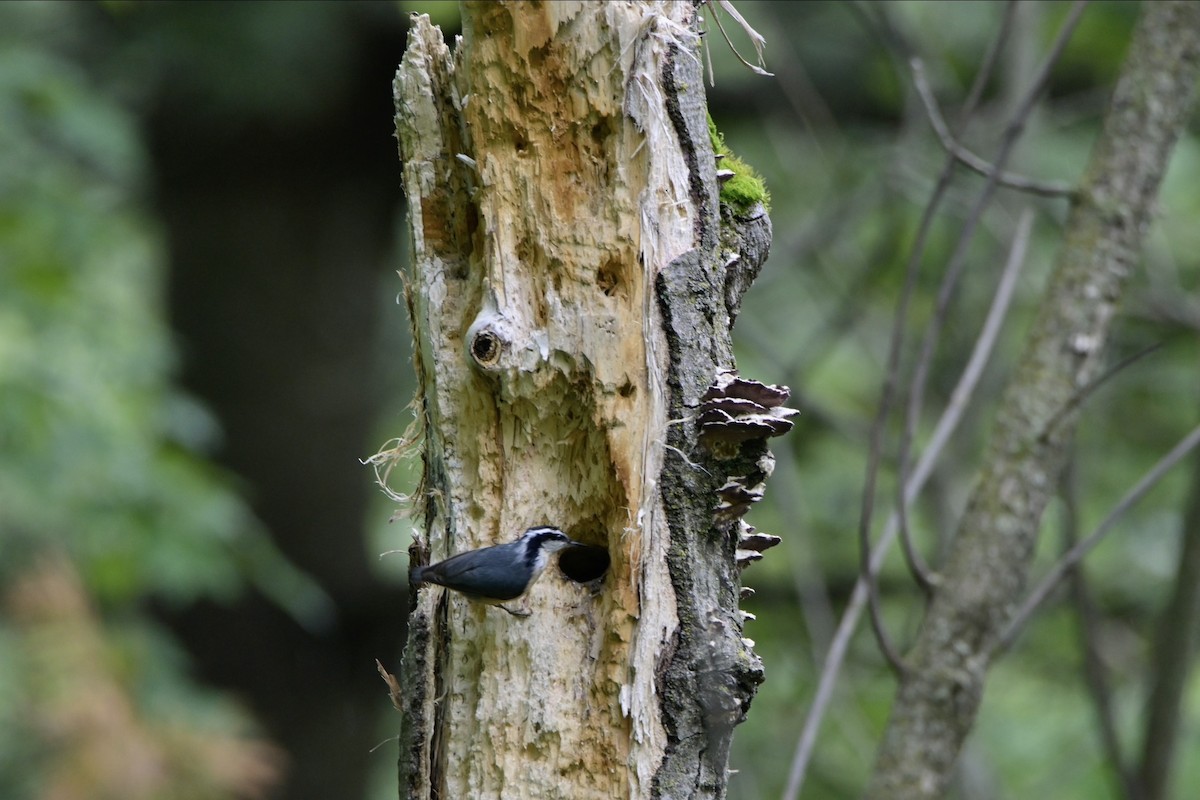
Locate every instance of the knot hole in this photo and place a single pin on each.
(486, 348)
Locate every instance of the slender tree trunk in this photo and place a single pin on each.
(989, 561)
(571, 304)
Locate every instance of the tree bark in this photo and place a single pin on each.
(989, 562)
(568, 298)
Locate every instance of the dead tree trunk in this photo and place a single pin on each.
(573, 284)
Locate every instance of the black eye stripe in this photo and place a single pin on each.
(534, 538)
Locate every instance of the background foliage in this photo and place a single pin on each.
(100, 454)
(185, 191)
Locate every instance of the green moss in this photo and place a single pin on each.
(746, 188)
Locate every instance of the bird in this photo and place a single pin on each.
(494, 575)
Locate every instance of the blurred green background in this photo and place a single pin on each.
(200, 228)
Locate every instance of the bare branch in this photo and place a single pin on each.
(1083, 394)
(917, 568)
(1094, 673)
(937, 701)
(970, 159)
(988, 64)
(1076, 553)
(1172, 658)
(797, 86)
(957, 260)
(959, 400)
(882, 638)
(862, 587)
(756, 38)
(957, 263)
(920, 572)
(1016, 258)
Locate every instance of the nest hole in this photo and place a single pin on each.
(584, 563)
(609, 276)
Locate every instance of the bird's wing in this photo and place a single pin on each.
(465, 574)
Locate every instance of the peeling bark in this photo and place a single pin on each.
(569, 305)
(989, 562)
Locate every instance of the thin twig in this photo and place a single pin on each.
(875, 456)
(1076, 553)
(1087, 391)
(970, 159)
(922, 573)
(1008, 279)
(957, 261)
(948, 422)
(984, 74)
(1094, 674)
(959, 399)
(917, 567)
(755, 37)
(798, 87)
(958, 257)
(862, 589)
(882, 639)
(1171, 659)
(891, 375)
(812, 592)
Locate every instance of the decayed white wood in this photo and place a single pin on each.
(547, 189)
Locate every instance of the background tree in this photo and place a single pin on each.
(975, 596)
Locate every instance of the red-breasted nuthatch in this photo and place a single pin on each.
(497, 574)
